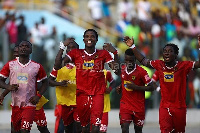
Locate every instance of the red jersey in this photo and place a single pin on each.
(155, 76)
(90, 77)
(173, 82)
(131, 99)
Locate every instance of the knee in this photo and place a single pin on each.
(125, 128)
(95, 129)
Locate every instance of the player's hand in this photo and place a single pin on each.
(199, 40)
(34, 100)
(1, 99)
(109, 47)
(131, 86)
(119, 89)
(13, 87)
(129, 42)
(64, 83)
(68, 41)
(107, 91)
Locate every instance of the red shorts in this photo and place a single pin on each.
(22, 118)
(171, 119)
(104, 122)
(40, 118)
(90, 109)
(76, 117)
(66, 113)
(127, 116)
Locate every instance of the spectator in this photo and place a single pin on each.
(143, 10)
(22, 30)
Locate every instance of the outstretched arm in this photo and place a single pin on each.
(150, 87)
(197, 63)
(141, 58)
(53, 82)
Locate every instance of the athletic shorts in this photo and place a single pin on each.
(67, 114)
(104, 122)
(22, 117)
(127, 116)
(90, 109)
(76, 117)
(40, 118)
(171, 119)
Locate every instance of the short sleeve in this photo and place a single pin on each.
(155, 63)
(145, 77)
(5, 71)
(41, 74)
(54, 73)
(108, 57)
(109, 77)
(188, 65)
(155, 76)
(72, 54)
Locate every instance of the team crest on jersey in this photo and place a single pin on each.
(133, 77)
(22, 78)
(88, 64)
(168, 77)
(125, 82)
(96, 56)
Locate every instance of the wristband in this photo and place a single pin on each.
(39, 95)
(133, 46)
(115, 52)
(62, 46)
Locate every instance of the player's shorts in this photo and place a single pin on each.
(22, 118)
(76, 117)
(171, 119)
(67, 114)
(127, 116)
(104, 122)
(90, 109)
(40, 118)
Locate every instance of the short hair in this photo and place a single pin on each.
(26, 42)
(96, 34)
(174, 46)
(129, 52)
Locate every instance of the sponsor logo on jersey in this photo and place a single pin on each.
(88, 64)
(168, 77)
(125, 86)
(22, 78)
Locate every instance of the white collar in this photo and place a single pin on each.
(171, 67)
(90, 54)
(23, 65)
(130, 71)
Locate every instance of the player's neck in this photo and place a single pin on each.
(24, 60)
(90, 50)
(171, 64)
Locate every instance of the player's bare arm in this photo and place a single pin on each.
(53, 82)
(35, 99)
(149, 87)
(197, 63)
(115, 65)
(59, 59)
(119, 89)
(9, 87)
(141, 58)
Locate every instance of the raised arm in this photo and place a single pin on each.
(59, 59)
(114, 65)
(141, 58)
(197, 63)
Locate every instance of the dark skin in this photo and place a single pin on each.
(90, 39)
(130, 64)
(24, 51)
(52, 82)
(169, 55)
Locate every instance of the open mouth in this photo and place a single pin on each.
(89, 42)
(167, 58)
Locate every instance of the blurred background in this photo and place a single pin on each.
(152, 23)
